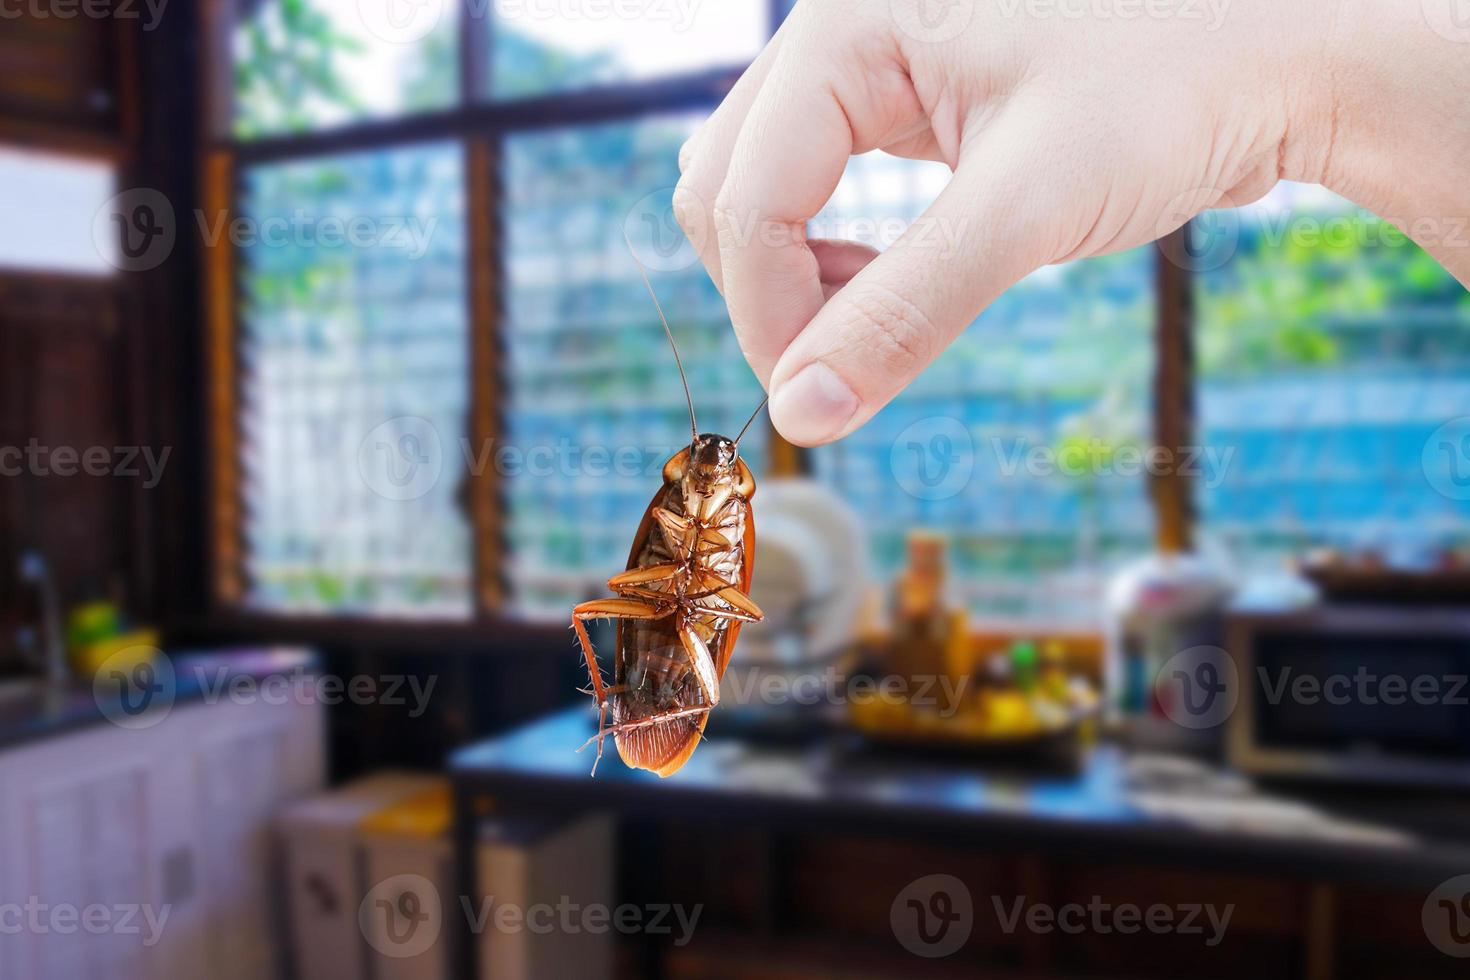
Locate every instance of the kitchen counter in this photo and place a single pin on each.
(1158, 809)
(41, 710)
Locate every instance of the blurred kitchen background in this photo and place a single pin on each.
(1130, 641)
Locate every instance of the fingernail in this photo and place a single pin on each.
(813, 406)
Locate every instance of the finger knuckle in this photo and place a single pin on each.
(686, 154)
(893, 326)
(727, 220)
(724, 204)
(689, 207)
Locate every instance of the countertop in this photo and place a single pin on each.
(1165, 809)
(41, 710)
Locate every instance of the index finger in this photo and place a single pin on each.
(786, 163)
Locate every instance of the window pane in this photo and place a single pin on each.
(1331, 352)
(354, 384)
(309, 64)
(57, 216)
(595, 403)
(542, 46)
(1020, 442)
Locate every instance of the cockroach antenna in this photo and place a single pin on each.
(693, 426)
(764, 401)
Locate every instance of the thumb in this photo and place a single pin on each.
(992, 224)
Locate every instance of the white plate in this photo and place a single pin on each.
(810, 542)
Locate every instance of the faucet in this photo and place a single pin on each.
(35, 571)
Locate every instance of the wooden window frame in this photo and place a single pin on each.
(479, 125)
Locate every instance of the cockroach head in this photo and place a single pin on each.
(712, 455)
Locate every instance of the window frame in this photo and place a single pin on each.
(480, 124)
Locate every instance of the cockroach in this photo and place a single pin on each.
(681, 601)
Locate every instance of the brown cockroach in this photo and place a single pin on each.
(681, 601)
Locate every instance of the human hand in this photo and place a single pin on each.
(1072, 128)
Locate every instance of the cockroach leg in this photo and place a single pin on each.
(708, 584)
(601, 727)
(636, 592)
(609, 608)
(710, 539)
(629, 726)
(615, 689)
(701, 662)
(741, 601)
(676, 526)
(711, 505)
(644, 576)
(702, 610)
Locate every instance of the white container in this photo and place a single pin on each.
(322, 842)
(409, 889)
(536, 867)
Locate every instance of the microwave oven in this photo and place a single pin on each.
(1353, 694)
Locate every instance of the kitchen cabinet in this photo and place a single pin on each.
(145, 853)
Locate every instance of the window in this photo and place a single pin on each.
(444, 388)
(56, 214)
(354, 392)
(1010, 442)
(1331, 349)
(361, 466)
(308, 64)
(542, 47)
